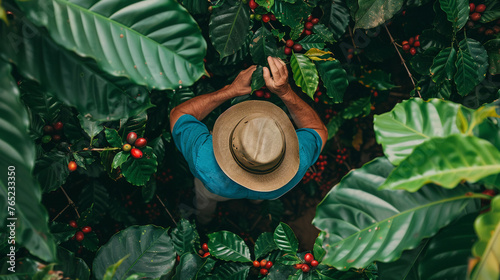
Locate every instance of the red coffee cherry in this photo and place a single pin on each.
(136, 153)
(141, 142)
(131, 137)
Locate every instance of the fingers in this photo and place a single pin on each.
(267, 76)
(273, 66)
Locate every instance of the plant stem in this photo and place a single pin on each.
(166, 209)
(60, 213)
(70, 202)
(275, 28)
(402, 60)
(100, 149)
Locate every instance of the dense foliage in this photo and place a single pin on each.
(87, 87)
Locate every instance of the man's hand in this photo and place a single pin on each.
(241, 85)
(278, 84)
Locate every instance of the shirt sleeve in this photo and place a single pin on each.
(190, 135)
(310, 146)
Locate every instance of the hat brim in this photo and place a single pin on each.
(221, 144)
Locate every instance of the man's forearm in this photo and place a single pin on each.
(200, 106)
(303, 115)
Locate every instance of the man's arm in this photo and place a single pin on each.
(302, 114)
(200, 106)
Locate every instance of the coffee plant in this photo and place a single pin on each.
(94, 188)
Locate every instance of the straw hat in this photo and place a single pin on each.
(255, 144)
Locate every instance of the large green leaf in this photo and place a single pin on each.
(51, 170)
(285, 239)
(229, 26)
(73, 81)
(422, 62)
(457, 12)
(304, 73)
(324, 32)
(134, 39)
(487, 227)
(376, 79)
(492, 12)
(493, 49)
(263, 45)
(312, 41)
(292, 15)
(264, 244)
(228, 246)
(188, 267)
(94, 194)
(232, 271)
(149, 249)
(40, 102)
(372, 13)
(466, 76)
(138, 171)
(412, 122)
(184, 237)
(443, 66)
(363, 224)
(257, 79)
(479, 54)
(334, 78)
(337, 18)
(357, 107)
(445, 162)
(71, 266)
(17, 161)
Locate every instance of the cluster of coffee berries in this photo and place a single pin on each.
(290, 44)
(132, 140)
(321, 163)
(329, 113)
(475, 12)
(262, 93)
(317, 94)
(341, 156)
(72, 166)
(265, 17)
(204, 250)
(310, 262)
(310, 23)
(316, 176)
(411, 45)
(52, 132)
(263, 265)
(252, 4)
(165, 176)
(79, 235)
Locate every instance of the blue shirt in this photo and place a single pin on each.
(194, 140)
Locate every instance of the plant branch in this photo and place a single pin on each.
(100, 149)
(166, 209)
(402, 60)
(70, 202)
(60, 213)
(283, 40)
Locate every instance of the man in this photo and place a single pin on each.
(254, 151)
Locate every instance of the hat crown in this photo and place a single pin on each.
(258, 143)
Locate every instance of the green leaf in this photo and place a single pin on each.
(236, 58)
(228, 246)
(188, 267)
(318, 251)
(357, 107)
(184, 237)
(413, 122)
(334, 78)
(64, 75)
(278, 34)
(111, 269)
(148, 191)
(324, 32)
(363, 224)
(94, 194)
(138, 171)
(372, 13)
(39, 101)
(51, 170)
(465, 79)
(285, 239)
(119, 159)
(264, 244)
(334, 125)
(267, 4)
(376, 79)
(113, 138)
(312, 41)
(228, 27)
(457, 12)
(422, 62)
(257, 79)
(150, 252)
(336, 18)
(91, 127)
(232, 271)
(491, 13)
(487, 227)
(292, 15)
(478, 53)
(304, 73)
(288, 259)
(263, 45)
(430, 38)
(445, 162)
(25, 269)
(195, 7)
(17, 161)
(128, 39)
(493, 49)
(280, 272)
(3, 14)
(443, 66)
